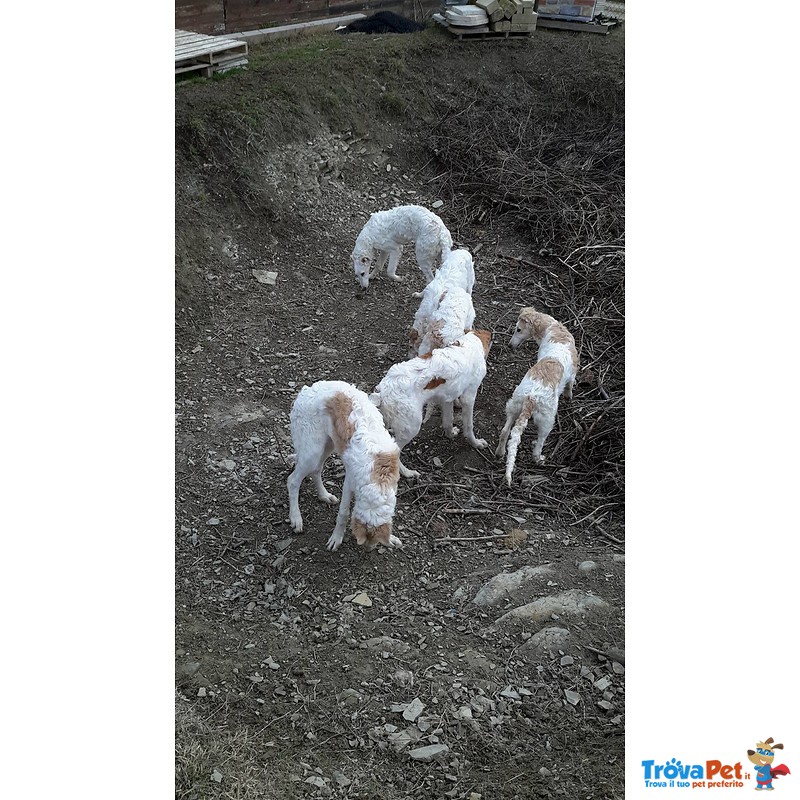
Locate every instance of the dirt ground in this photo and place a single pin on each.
(290, 684)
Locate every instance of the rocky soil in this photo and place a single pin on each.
(486, 658)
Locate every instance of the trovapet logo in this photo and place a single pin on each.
(716, 774)
(676, 775)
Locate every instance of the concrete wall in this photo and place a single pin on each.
(232, 16)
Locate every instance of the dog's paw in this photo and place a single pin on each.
(452, 433)
(508, 478)
(538, 459)
(500, 452)
(418, 294)
(395, 542)
(397, 278)
(334, 541)
(329, 498)
(479, 444)
(296, 523)
(408, 473)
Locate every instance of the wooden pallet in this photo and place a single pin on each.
(480, 31)
(196, 52)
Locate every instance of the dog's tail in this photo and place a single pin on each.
(445, 243)
(524, 417)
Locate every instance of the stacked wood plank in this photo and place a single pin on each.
(196, 52)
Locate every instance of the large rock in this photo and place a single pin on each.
(502, 586)
(546, 642)
(429, 753)
(572, 603)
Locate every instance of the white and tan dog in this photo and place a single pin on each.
(441, 377)
(538, 392)
(335, 416)
(457, 272)
(386, 232)
(454, 315)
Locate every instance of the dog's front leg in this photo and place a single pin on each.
(344, 512)
(380, 263)
(467, 407)
(394, 260)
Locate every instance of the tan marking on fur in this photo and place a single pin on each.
(427, 355)
(560, 335)
(369, 535)
(536, 322)
(414, 337)
(435, 332)
(548, 372)
(386, 469)
(434, 382)
(486, 340)
(340, 406)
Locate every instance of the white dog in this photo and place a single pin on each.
(385, 234)
(440, 377)
(452, 318)
(457, 272)
(538, 392)
(335, 416)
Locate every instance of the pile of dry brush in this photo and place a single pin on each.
(555, 171)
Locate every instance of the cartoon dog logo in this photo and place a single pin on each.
(762, 757)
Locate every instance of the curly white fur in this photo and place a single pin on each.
(386, 232)
(453, 316)
(441, 377)
(538, 392)
(457, 271)
(317, 431)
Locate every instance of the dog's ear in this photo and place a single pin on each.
(375, 399)
(777, 747)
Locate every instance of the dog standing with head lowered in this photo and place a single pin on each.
(333, 416)
(386, 232)
(441, 377)
(537, 394)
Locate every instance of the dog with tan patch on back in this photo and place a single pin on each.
(333, 416)
(442, 376)
(537, 394)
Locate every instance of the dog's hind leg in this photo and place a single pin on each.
(467, 408)
(311, 455)
(511, 415)
(344, 512)
(544, 424)
(322, 492)
(447, 421)
(293, 487)
(426, 258)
